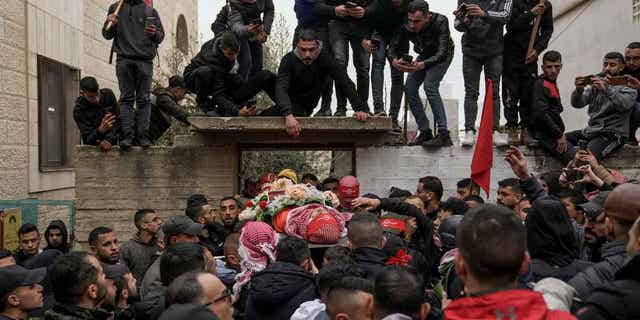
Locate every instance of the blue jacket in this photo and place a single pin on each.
(306, 15)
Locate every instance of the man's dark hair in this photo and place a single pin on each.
(433, 184)
(4, 253)
(492, 242)
(177, 82)
(364, 230)
(616, 56)
(26, 228)
(307, 35)
(70, 276)
(231, 198)
(310, 176)
(89, 84)
(96, 233)
(337, 255)
(333, 274)
(194, 212)
(418, 5)
(512, 183)
(293, 250)
(185, 289)
(464, 183)
(475, 198)
(139, 215)
(229, 41)
(552, 56)
(180, 258)
(340, 297)
(455, 205)
(574, 197)
(634, 45)
(397, 291)
(329, 180)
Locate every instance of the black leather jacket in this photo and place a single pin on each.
(433, 42)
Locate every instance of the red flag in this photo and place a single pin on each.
(483, 154)
(149, 3)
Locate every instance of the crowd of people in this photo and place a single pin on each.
(293, 247)
(227, 73)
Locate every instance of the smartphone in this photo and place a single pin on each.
(350, 5)
(375, 43)
(463, 9)
(149, 21)
(583, 145)
(587, 79)
(407, 58)
(618, 81)
(256, 21)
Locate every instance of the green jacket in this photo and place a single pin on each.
(68, 312)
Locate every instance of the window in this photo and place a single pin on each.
(636, 11)
(182, 35)
(57, 135)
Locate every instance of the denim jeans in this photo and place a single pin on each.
(249, 59)
(377, 82)
(431, 77)
(471, 69)
(341, 35)
(134, 80)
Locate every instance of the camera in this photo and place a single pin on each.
(375, 43)
(149, 21)
(463, 9)
(407, 58)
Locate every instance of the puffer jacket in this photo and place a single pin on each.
(434, 42)
(277, 291)
(614, 254)
(164, 107)
(609, 110)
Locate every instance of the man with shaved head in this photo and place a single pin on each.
(350, 299)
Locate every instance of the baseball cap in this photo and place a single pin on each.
(595, 206)
(12, 277)
(181, 224)
(114, 271)
(622, 203)
(289, 174)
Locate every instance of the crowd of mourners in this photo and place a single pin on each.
(227, 73)
(552, 247)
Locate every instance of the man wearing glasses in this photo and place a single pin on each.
(197, 295)
(143, 249)
(632, 70)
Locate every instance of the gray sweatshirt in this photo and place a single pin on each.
(609, 110)
(484, 36)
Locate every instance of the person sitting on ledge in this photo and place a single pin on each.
(95, 114)
(302, 78)
(212, 75)
(164, 106)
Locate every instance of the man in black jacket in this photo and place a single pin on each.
(482, 22)
(520, 67)
(365, 240)
(346, 23)
(385, 20)
(302, 78)
(547, 107)
(618, 299)
(164, 106)
(136, 32)
(57, 236)
(277, 291)
(213, 77)
(429, 32)
(95, 114)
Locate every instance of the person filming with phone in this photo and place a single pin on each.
(610, 103)
(429, 32)
(136, 31)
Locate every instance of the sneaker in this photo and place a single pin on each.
(469, 138)
(442, 139)
(526, 137)
(500, 139)
(380, 114)
(340, 113)
(395, 126)
(423, 137)
(512, 136)
(323, 113)
(125, 144)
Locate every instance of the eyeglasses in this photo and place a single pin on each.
(226, 295)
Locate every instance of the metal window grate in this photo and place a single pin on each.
(636, 11)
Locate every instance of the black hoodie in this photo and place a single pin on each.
(129, 39)
(58, 224)
(277, 291)
(370, 260)
(88, 117)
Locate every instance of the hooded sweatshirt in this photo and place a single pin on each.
(277, 291)
(609, 110)
(299, 86)
(504, 305)
(483, 36)
(129, 39)
(58, 224)
(88, 117)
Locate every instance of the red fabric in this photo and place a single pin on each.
(149, 2)
(402, 258)
(483, 154)
(267, 178)
(257, 238)
(393, 223)
(509, 304)
(316, 223)
(280, 221)
(553, 89)
(348, 189)
(324, 228)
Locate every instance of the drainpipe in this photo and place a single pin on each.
(26, 83)
(565, 7)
